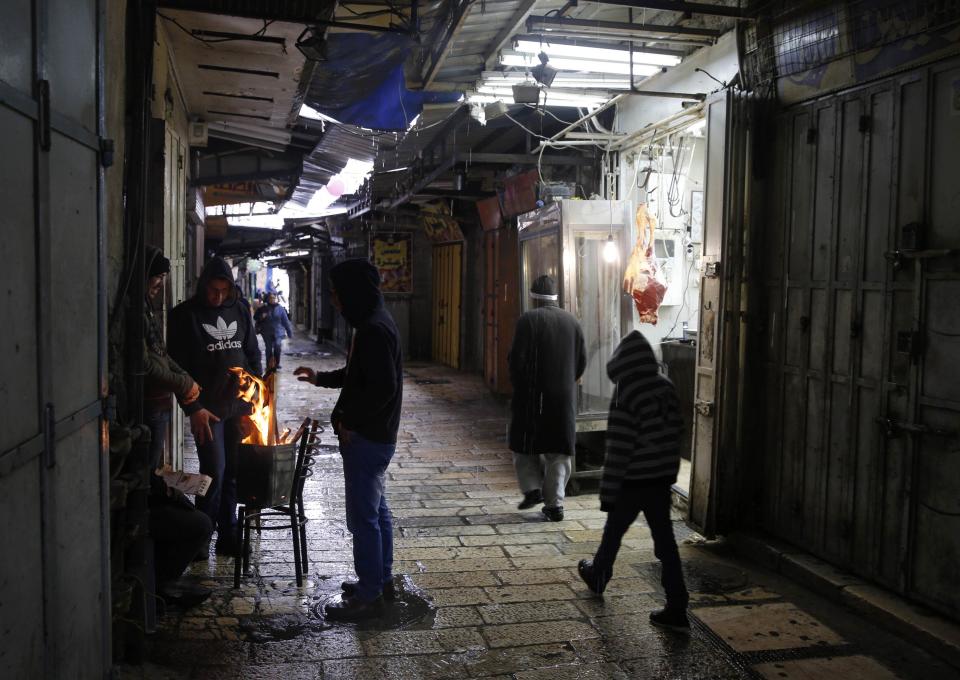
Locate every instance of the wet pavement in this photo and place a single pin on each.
(487, 591)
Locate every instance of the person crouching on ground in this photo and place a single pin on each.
(366, 419)
(273, 323)
(641, 464)
(546, 359)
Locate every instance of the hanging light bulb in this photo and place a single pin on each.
(610, 251)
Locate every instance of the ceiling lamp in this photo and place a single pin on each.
(543, 72)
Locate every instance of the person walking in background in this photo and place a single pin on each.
(366, 419)
(546, 359)
(207, 335)
(272, 323)
(641, 464)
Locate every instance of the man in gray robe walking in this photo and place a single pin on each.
(546, 359)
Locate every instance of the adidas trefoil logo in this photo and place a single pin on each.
(221, 331)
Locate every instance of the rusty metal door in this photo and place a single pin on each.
(721, 270)
(446, 303)
(862, 296)
(54, 619)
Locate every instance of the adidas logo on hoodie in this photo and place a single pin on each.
(222, 332)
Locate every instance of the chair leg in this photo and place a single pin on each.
(238, 561)
(295, 533)
(245, 545)
(303, 537)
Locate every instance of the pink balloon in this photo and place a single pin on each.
(335, 187)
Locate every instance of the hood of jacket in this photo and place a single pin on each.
(633, 357)
(357, 283)
(216, 268)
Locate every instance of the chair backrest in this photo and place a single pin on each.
(306, 450)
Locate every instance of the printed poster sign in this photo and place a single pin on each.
(391, 255)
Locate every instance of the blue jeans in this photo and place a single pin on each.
(368, 517)
(218, 459)
(272, 347)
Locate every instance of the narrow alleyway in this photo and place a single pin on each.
(489, 591)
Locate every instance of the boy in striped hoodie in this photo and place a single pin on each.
(641, 464)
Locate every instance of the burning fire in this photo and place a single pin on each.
(260, 427)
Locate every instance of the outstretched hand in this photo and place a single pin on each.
(200, 423)
(305, 374)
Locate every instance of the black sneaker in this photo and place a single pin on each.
(554, 514)
(671, 619)
(349, 589)
(353, 609)
(595, 582)
(530, 498)
(184, 595)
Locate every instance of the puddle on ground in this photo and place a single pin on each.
(326, 449)
(704, 576)
(410, 610)
(432, 381)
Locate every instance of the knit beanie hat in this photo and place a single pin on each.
(544, 288)
(157, 264)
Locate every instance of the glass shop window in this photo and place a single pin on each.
(540, 256)
(597, 305)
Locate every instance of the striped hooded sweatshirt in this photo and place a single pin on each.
(644, 424)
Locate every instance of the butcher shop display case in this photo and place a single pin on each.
(583, 246)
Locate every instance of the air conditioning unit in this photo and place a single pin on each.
(198, 134)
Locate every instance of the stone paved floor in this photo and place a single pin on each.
(493, 592)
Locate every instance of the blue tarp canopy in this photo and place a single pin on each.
(362, 82)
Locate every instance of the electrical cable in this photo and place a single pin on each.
(683, 303)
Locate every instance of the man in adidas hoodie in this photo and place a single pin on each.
(366, 419)
(207, 335)
(641, 464)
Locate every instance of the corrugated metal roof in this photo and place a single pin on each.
(339, 144)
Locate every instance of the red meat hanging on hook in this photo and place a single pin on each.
(640, 279)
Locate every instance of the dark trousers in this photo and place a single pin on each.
(272, 346)
(218, 460)
(653, 500)
(179, 532)
(368, 516)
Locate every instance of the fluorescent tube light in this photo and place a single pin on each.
(566, 64)
(594, 53)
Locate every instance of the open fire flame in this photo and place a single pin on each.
(260, 427)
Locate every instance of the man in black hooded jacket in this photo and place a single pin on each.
(366, 419)
(207, 335)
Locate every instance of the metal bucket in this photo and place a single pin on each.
(265, 474)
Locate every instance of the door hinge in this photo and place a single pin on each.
(704, 408)
(711, 270)
(107, 148)
(43, 115)
(894, 427)
(49, 436)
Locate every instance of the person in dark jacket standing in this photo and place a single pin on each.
(641, 464)
(207, 335)
(272, 323)
(366, 419)
(546, 359)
